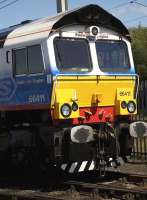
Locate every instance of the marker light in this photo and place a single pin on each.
(66, 110)
(131, 107)
(74, 106)
(123, 104)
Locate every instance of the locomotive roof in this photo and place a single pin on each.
(40, 29)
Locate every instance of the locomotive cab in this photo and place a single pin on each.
(95, 66)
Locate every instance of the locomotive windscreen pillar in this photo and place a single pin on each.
(62, 5)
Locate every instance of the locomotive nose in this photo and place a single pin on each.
(93, 99)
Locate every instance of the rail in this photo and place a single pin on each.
(117, 185)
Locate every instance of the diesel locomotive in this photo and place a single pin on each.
(68, 91)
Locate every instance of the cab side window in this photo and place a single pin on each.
(28, 60)
(35, 61)
(20, 61)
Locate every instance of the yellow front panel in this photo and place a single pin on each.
(92, 91)
(88, 91)
(120, 110)
(102, 87)
(65, 96)
(126, 93)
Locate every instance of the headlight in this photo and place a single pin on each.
(74, 106)
(131, 107)
(123, 104)
(66, 110)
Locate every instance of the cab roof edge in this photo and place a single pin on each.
(95, 15)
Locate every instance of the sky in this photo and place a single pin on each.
(131, 14)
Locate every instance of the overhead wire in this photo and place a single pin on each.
(136, 2)
(130, 2)
(126, 3)
(8, 4)
(3, 1)
(137, 18)
(119, 5)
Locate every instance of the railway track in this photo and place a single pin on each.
(70, 194)
(117, 185)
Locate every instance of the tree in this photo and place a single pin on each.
(139, 47)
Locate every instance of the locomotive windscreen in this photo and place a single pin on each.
(112, 56)
(72, 54)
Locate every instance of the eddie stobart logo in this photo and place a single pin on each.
(125, 93)
(7, 88)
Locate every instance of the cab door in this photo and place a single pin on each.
(33, 82)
